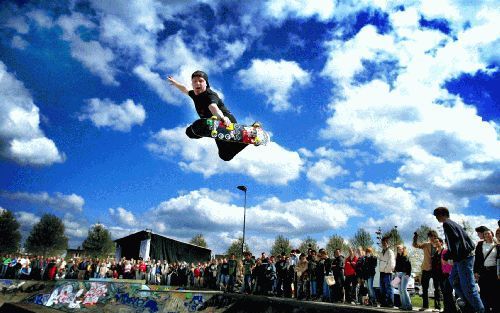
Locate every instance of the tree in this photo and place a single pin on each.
(422, 232)
(199, 240)
(47, 236)
(394, 238)
(308, 243)
(281, 245)
(362, 238)
(9, 232)
(235, 248)
(336, 242)
(98, 242)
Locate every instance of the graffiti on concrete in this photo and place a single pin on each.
(194, 303)
(137, 302)
(96, 296)
(96, 291)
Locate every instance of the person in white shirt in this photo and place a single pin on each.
(387, 262)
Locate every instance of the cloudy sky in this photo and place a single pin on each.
(378, 113)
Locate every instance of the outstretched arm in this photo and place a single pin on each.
(178, 85)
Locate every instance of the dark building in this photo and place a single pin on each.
(145, 244)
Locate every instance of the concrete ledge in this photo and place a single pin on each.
(10, 307)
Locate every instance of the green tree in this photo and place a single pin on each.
(98, 242)
(362, 238)
(281, 244)
(395, 238)
(199, 240)
(9, 232)
(309, 242)
(422, 232)
(235, 248)
(47, 236)
(336, 242)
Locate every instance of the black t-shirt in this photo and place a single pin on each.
(203, 100)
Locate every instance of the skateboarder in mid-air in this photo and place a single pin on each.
(208, 104)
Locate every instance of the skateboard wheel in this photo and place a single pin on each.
(227, 136)
(221, 136)
(213, 133)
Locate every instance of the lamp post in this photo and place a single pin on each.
(244, 189)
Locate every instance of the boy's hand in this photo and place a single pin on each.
(226, 120)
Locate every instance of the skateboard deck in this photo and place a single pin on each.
(235, 132)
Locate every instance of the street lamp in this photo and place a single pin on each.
(244, 189)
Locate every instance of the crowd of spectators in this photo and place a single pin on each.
(308, 275)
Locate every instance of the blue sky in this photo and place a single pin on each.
(378, 114)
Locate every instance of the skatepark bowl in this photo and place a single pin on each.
(127, 296)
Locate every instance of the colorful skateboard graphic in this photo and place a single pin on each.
(234, 132)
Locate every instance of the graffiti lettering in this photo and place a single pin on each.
(94, 293)
(136, 302)
(195, 303)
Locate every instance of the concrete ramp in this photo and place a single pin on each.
(134, 297)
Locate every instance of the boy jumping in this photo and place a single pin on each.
(208, 104)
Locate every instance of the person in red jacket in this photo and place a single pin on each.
(350, 276)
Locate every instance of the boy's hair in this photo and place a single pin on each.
(441, 211)
(202, 75)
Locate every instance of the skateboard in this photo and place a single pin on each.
(238, 133)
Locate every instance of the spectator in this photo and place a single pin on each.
(301, 272)
(324, 268)
(437, 273)
(248, 266)
(350, 277)
(281, 272)
(361, 290)
(5, 264)
(232, 271)
(369, 270)
(311, 271)
(485, 271)
(429, 250)
(338, 274)
(448, 299)
(271, 277)
(461, 251)
(403, 271)
(387, 262)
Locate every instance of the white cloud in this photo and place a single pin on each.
(323, 9)
(158, 84)
(59, 201)
(137, 14)
(323, 170)
(271, 164)
(212, 213)
(18, 23)
(26, 219)
(21, 138)
(275, 80)
(494, 200)
(123, 216)
(19, 43)
(105, 113)
(442, 143)
(96, 58)
(41, 18)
